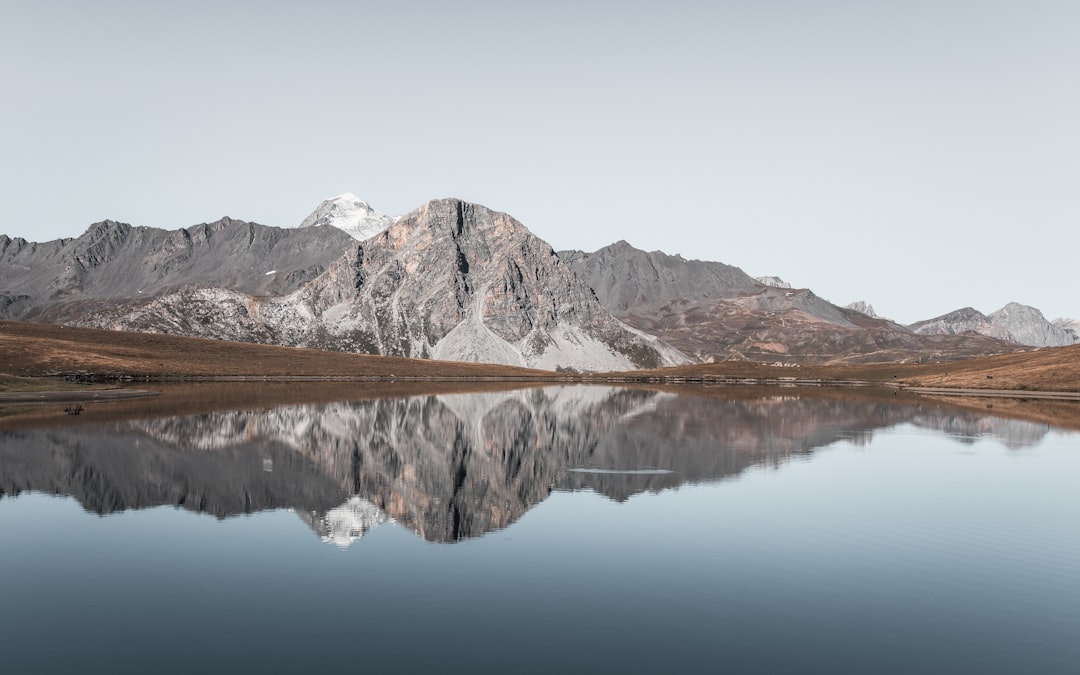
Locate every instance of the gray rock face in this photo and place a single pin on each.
(1016, 323)
(630, 281)
(115, 262)
(450, 280)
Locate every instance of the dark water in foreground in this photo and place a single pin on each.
(566, 529)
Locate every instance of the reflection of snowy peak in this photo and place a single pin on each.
(347, 523)
(349, 214)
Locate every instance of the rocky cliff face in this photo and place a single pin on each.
(450, 280)
(1015, 323)
(713, 311)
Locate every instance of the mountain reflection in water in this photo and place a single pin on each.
(450, 467)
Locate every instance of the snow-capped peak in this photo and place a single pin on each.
(351, 214)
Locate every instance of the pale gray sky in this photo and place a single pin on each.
(919, 155)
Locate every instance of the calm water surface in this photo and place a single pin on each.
(556, 530)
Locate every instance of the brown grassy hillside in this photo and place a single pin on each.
(39, 349)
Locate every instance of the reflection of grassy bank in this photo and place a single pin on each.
(11, 383)
(1054, 369)
(195, 398)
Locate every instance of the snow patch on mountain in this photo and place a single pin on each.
(775, 282)
(863, 307)
(349, 213)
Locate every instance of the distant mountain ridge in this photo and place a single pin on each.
(713, 311)
(1016, 323)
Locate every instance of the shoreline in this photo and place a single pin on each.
(122, 392)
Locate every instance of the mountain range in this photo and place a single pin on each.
(457, 281)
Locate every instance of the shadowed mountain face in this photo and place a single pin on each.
(712, 311)
(448, 467)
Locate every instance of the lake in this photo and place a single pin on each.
(563, 529)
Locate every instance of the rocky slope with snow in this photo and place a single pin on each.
(1015, 323)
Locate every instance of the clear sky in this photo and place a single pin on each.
(920, 155)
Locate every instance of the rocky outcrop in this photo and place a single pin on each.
(1015, 323)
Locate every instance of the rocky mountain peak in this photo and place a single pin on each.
(455, 280)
